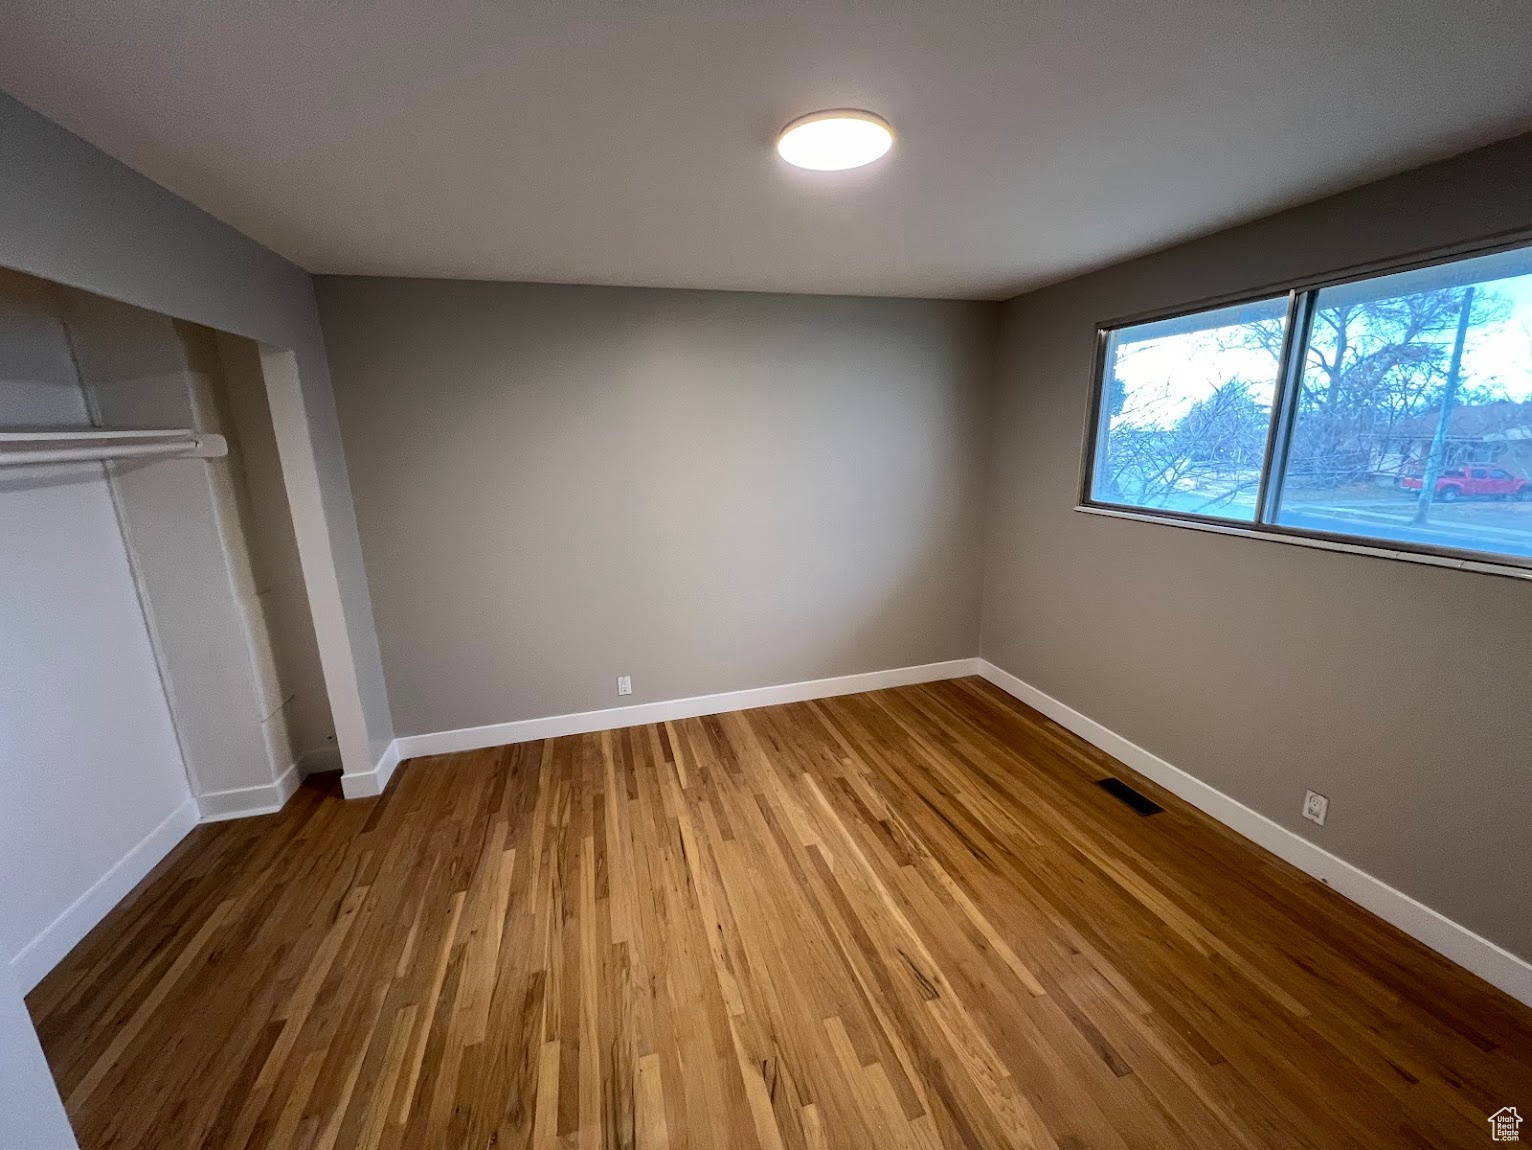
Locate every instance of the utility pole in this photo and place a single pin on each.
(1449, 401)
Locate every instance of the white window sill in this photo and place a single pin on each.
(1278, 535)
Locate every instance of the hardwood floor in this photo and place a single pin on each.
(900, 919)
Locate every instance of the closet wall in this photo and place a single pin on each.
(273, 544)
(206, 562)
(161, 661)
(89, 765)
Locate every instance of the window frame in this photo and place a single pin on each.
(1301, 296)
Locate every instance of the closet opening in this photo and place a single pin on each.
(161, 665)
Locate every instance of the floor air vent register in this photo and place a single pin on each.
(1126, 795)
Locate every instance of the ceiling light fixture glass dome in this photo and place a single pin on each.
(835, 140)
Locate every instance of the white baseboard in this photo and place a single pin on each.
(247, 802)
(61, 936)
(365, 784)
(372, 782)
(1493, 963)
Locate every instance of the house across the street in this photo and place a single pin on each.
(1498, 433)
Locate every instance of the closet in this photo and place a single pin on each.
(158, 664)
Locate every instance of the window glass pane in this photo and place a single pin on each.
(1186, 410)
(1370, 454)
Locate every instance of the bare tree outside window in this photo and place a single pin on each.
(1187, 409)
(1409, 418)
(1414, 419)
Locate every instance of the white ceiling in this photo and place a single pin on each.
(630, 142)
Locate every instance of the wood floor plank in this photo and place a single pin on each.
(905, 919)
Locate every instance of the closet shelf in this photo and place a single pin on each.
(87, 444)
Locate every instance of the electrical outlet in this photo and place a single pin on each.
(1315, 806)
(624, 684)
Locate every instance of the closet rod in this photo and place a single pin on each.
(83, 445)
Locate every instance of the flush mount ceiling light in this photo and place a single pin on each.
(835, 140)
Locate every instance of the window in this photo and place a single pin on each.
(1186, 411)
(1393, 411)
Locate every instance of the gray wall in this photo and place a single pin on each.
(707, 491)
(71, 214)
(1403, 692)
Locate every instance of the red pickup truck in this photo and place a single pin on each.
(1462, 482)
